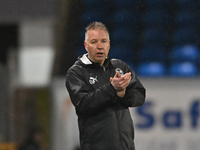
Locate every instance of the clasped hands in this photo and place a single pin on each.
(120, 83)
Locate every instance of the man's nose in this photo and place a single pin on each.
(99, 45)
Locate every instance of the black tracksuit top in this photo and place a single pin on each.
(104, 119)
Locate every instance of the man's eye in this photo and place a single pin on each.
(93, 42)
(104, 41)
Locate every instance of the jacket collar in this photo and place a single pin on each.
(86, 61)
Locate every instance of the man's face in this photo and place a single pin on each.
(97, 45)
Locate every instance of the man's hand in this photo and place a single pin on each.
(120, 83)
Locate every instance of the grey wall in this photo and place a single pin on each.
(3, 104)
(14, 10)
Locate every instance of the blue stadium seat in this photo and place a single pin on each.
(81, 50)
(188, 4)
(184, 69)
(153, 53)
(184, 53)
(126, 4)
(151, 69)
(119, 36)
(95, 4)
(122, 52)
(157, 4)
(90, 16)
(81, 36)
(154, 36)
(185, 35)
(157, 18)
(124, 18)
(187, 18)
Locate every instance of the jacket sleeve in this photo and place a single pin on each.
(85, 101)
(135, 92)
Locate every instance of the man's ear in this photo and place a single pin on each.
(85, 44)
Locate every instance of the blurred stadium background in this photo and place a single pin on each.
(40, 40)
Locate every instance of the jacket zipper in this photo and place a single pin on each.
(120, 136)
(104, 69)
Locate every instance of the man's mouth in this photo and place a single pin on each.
(99, 53)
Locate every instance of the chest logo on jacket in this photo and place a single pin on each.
(93, 80)
(120, 71)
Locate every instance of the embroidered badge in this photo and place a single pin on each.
(120, 71)
(93, 80)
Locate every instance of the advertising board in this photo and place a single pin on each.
(168, 120)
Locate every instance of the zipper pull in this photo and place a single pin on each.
(104, 69)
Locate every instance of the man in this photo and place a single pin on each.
(102, 90)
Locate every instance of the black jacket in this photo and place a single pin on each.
(104, 119)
